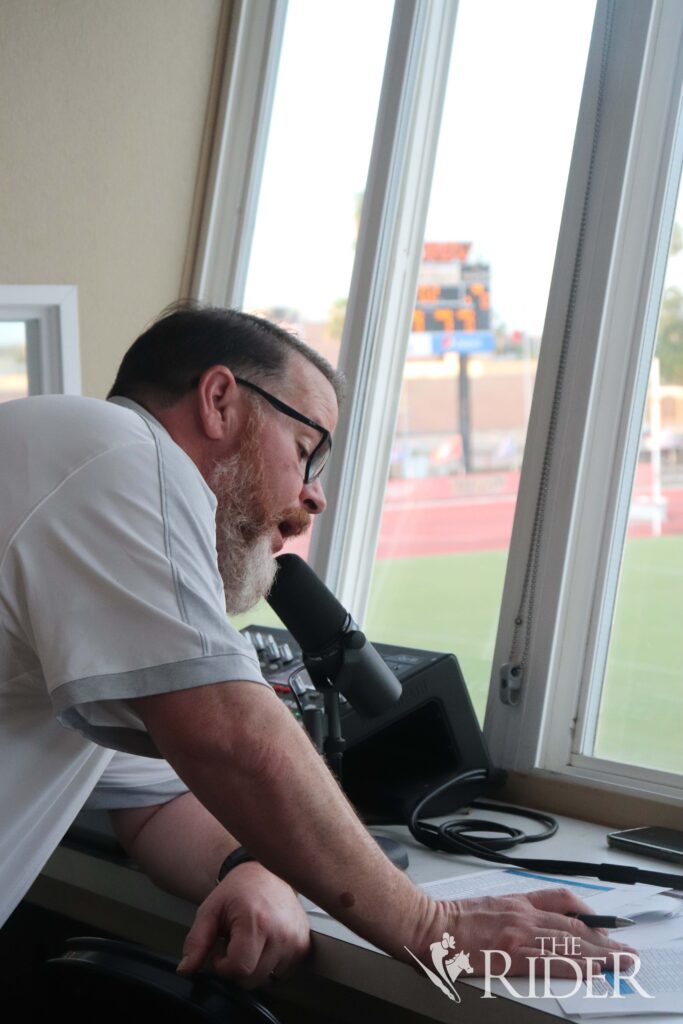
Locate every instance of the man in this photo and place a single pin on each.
(127, 530)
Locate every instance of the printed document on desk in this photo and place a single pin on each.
(657, 987)
(504, 881)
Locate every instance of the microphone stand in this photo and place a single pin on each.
(329, 742)
(332, 673)
(335, 744)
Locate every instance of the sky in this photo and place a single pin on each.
(11, 333)
(506, 137)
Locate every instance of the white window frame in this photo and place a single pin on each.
(619, 188)
(624, 177)
(236, 164)
(50, 313)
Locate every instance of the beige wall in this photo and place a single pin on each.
(101, 125)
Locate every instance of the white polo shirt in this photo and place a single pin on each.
(109, 589)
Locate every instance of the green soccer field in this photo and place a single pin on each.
(451, 603)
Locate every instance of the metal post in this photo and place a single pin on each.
(464, 411)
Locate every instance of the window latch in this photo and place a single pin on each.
(510, 683)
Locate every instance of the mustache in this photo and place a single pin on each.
(295, 520)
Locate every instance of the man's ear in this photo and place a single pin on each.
(218, 403)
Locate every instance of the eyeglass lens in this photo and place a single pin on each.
(318, 459)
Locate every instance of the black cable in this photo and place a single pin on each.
(454, 837)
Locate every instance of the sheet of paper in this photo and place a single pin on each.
(656, 987)
(502, 881)
(644, 935)
(633, 900)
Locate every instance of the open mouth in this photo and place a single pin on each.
(288, 529)
(293, 524)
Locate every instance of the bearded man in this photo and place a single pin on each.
(127, 530)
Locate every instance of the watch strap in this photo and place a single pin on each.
(233, 860)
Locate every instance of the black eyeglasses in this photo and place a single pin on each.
(316, 461)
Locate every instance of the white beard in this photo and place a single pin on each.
(243, 530)
(247, 572)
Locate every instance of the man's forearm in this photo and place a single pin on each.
(178, 844)
(260, 776)
(251, 924)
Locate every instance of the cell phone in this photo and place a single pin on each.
(664, 843)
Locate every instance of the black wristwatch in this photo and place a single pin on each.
(233, 860)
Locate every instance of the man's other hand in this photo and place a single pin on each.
(259, 924)
(525, 925)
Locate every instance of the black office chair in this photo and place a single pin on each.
(116, 982)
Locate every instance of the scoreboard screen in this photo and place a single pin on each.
(453, 307)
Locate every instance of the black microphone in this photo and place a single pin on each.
(336, 653)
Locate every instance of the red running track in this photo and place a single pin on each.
(430, 517)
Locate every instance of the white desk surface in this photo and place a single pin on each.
(124, 901)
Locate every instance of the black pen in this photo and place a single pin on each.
(603, 920)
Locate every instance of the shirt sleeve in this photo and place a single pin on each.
(119, 592)
(131, 781)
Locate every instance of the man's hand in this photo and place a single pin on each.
(181, 847)
(517, 923)
(261, 920)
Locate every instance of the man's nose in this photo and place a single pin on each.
(313, 497)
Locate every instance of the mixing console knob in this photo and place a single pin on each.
(272, 649)
(257, 641)
(286, 653)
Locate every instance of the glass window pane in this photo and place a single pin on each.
(316, 165)
(13, 369)
(506, 139)
(641, 713)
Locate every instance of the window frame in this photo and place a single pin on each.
(630, 191)
(245, 104)
(622, 136)
(52, 337)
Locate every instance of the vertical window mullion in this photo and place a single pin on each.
(382, 292)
